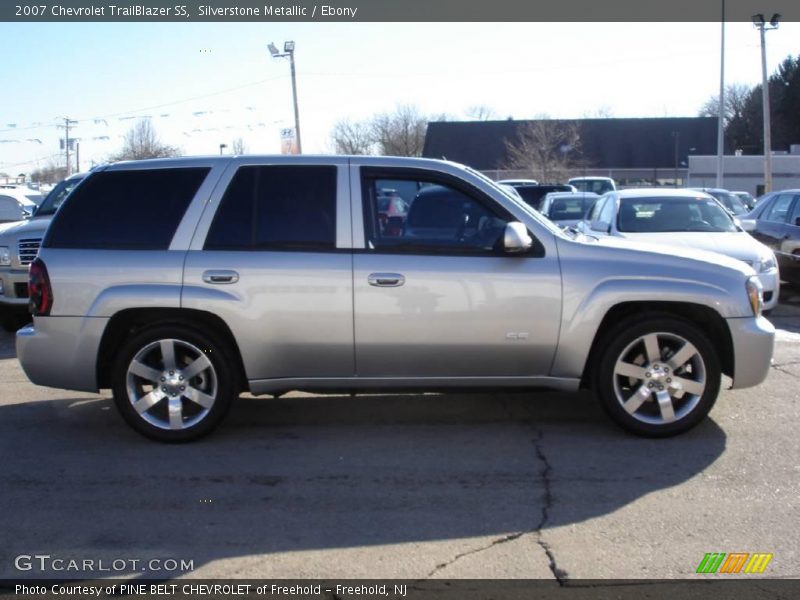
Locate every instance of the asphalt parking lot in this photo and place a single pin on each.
(406, 486)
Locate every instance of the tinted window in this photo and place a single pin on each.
(138, 209)
(277, 207)
(440, 218)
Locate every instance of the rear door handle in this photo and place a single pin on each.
(220, 277)
(386, 279)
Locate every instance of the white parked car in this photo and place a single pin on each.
(518, 182)
(15, 206)
(597, 185)
(685, 218)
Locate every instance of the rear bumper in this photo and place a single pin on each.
(753, 344)
(61, 352)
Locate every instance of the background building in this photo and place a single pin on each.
(644, 151)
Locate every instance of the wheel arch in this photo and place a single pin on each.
(709, 321)
(128, 322)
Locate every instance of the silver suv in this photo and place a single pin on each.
(181, 283)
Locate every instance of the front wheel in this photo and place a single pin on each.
(659, 376)
(172, 383)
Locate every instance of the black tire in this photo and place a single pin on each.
(193, 420)
(626, 343)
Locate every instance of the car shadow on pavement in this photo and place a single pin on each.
(323, 472)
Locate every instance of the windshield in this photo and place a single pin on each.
(57, 196)
(652, 215)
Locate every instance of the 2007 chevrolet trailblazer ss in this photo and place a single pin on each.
(180, 283)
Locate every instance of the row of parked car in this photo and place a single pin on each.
(20, 239)
(766, 236)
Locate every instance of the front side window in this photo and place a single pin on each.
(126, 210)
(779, 211)
(277, 208)
(795, 218)
(428, 216)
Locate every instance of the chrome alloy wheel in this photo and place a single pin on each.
(171, 384)
(659, 378)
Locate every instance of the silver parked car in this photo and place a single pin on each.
(685, 219)
(196, 279)
(19, 243)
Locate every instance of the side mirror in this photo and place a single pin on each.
(600, 226)
(748, 224)
(516, 239)
(797, 221)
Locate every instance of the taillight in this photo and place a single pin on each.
(40, 294)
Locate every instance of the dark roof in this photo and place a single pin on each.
(606, 143)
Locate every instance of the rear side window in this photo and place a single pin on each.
(277, 208)
(125, 210)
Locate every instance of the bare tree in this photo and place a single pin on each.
(401, 133)
(735, 101)
(238, 146)
(481, 112)
(545, 148)
(141, 141)
(352, 137)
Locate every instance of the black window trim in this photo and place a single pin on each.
(368, 173)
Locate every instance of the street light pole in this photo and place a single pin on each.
(288, 51)
(761, 25)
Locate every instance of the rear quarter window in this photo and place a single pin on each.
(125, 210)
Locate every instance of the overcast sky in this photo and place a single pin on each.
(207, 84)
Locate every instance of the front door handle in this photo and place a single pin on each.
(220, 277)
(386, 279)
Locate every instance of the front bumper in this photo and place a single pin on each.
(61, 352)
(753, 344)
(13, 289)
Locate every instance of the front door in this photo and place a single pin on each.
(434, 293)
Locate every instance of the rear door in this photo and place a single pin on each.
(272, 258)
(437, 297)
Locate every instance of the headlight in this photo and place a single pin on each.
(754, 293)
(766, 264)
(5, 256)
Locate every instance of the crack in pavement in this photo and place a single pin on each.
(559, 574)
(782, 370)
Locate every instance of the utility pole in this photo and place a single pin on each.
(67, 123)
(761, 24)
(77, 157)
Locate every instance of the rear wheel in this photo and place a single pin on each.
(659, 376)
(172, 383)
